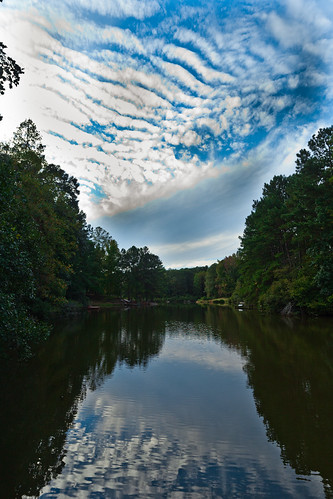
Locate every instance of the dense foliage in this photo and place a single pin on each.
(285, 261)
(218, 280)
(286, 256)
(49, 256)
(286, 250)
(186, 283)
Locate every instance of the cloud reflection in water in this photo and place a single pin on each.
(183, 426)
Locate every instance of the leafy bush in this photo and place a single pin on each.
(19, 333)
(276, 297)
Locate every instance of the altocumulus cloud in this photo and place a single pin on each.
(162, 105)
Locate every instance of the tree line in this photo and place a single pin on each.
(285, 257)
(49, 255)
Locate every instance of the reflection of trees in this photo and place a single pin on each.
(142, 336)
(289, 367)
(39, 400)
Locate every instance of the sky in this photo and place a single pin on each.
(171, 114)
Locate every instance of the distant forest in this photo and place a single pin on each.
(52, 260)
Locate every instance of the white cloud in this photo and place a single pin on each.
(311, 12)
(120, 37)
(210, 123)
(192, 60)
(190, 138)
(185, 253)
(220, 239)
(187, 36)
(140, 9)
(128, 108)
(185, 77)
(289, 34)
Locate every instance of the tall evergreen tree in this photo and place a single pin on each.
(286, 249)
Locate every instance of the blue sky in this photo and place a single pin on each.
(171, 114)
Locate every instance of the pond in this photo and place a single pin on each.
(172, 402)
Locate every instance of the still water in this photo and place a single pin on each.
(183, 402)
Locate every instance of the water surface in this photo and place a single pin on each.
(184, 402)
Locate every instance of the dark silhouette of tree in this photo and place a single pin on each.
(10, 71)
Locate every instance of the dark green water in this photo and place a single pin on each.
(172, 403)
